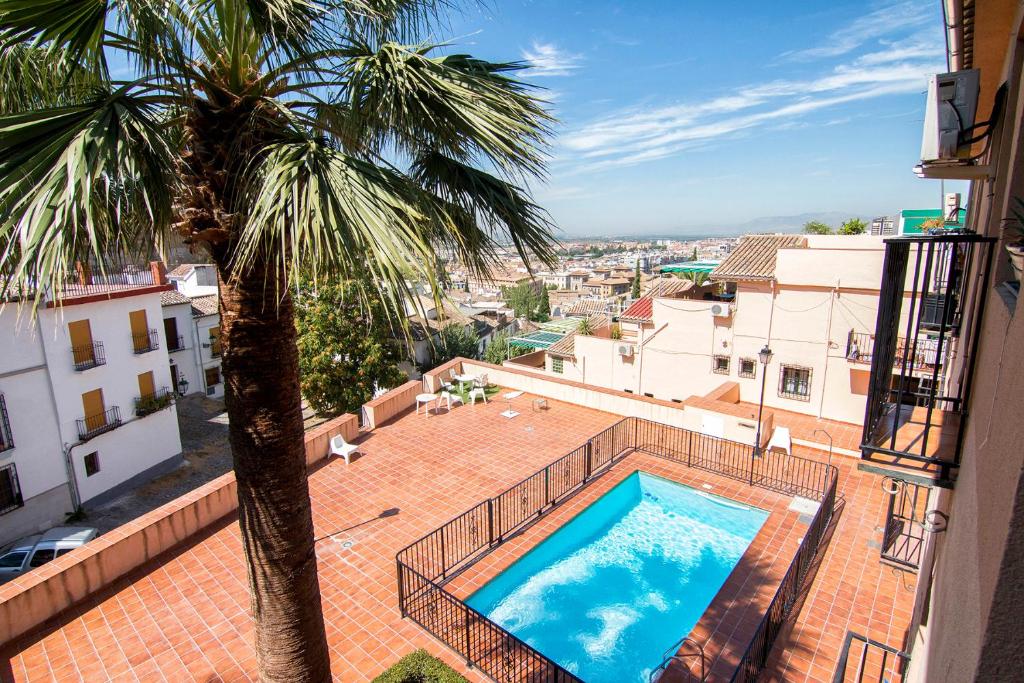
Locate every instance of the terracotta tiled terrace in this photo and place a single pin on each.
(185, 616)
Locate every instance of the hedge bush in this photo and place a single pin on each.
(420, 667)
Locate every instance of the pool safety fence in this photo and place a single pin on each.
(424, 566)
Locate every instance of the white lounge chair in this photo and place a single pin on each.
(342, 448)
(781, 440)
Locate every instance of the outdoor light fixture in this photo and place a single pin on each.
(765, 354)
(182, 386)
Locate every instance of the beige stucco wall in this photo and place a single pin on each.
(970, 626)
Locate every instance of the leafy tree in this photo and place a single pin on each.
(499, 350)
(274, 136)
(693, 257)
(615, 332)
(636, 282)
(345, 348)
(454, 341)
(543, 311)
(817, 228)
(854, 226)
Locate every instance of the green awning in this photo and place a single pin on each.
(911, 220)
(690, 267)
(535, 340)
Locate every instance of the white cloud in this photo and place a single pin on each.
(547, 59)
(642, 134)
(901, 17)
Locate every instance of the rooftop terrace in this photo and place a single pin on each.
(185, 614)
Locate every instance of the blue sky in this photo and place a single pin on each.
(692, 116)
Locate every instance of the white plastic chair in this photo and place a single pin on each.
(479, 390)
(342, 448)
(450, 398)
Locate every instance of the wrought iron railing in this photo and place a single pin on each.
(88, 356)
(95, 280)
(424, 566)
(151, 403)
(860, 349)
(94, 425)
(6, 438)
(875, 662)
(144, 342)
(175, 344)
(935, 287)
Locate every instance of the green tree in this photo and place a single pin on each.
(543, 310)
(693, 257)
(527, 302)
(853, 226)
(636, 281)
(345, 348)
(276, 136)
(817, 228)
(585, 327)
(454, 341)
(499, 350)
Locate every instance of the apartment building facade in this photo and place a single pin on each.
(87, 398)
(811, 299)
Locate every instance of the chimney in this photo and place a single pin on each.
(83, 273)
(159, 271)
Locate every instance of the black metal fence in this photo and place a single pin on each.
(424, 566)
(94, 425)
(144, 342)
(875, 661)
(88, 356)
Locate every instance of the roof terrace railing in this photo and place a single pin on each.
(426, 565)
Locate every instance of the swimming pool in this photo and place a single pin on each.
(609, 592)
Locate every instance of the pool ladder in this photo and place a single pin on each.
(672, 654)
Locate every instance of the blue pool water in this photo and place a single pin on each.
(609, 592)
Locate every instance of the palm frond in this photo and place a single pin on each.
(90, 179)
(466, 108)
(490, 211)
(36, 78)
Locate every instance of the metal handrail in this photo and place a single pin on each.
(839, 675)
(672, 655)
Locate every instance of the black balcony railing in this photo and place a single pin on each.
(94, 425)
(860, 349)
(917, 388)
(88, 356)
(6, 438)
(175, 344)
(426, 565)
(144, 342)
(151, 403)
(863, 660)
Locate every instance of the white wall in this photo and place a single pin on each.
(37, 454)
(201, 327)
(132, 448)
(186, 360)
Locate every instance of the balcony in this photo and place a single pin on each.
(145, 342)
(88, 356)
(151, 403)
(860, 348)
(93, 425)
(6, 440)
(175, 344)
(915, 399)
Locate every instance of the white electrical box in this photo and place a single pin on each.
(949, 115)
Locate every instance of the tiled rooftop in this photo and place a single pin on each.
(754, 257)
(185, 616)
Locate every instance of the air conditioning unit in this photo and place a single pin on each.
(721, 310)
(949, 115)
(625, 349)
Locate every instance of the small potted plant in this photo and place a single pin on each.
(1014, 234)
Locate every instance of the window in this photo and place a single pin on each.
(41, 557)
(720, 365)
(214, 342)
(6, 440)
(64, 551)
(10, 492)
(558, 365)
(795, 382)
(212, 376)
(92, 463)
(142, 340)
(748, 367)
(13, 560)
(174, 342)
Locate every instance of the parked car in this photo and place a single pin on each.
(36, 550)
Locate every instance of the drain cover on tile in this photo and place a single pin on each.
(345, 543)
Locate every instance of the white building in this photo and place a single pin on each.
(86, 387)
(192, 316)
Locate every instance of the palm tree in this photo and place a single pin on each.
(274, 135)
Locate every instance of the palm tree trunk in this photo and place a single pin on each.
(261, 374)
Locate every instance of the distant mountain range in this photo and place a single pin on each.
(793, 223)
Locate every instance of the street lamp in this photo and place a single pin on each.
(765, 356)
(182, 386)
